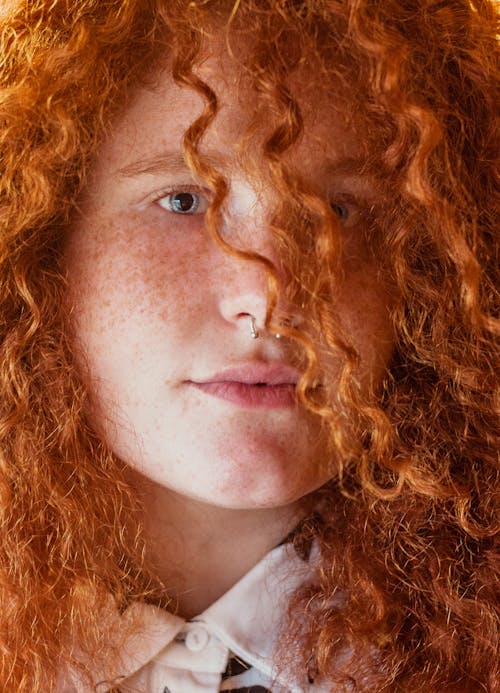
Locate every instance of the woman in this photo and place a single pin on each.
(248, 370)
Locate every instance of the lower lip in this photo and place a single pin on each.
(251, 396)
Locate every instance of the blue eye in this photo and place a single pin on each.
(184, 202)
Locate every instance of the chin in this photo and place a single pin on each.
(267, 494)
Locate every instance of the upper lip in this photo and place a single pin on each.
(254, 374)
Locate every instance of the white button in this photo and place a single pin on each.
(196, 638)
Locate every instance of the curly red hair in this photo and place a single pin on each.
(408, 524)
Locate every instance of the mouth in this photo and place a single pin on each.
(255, 396)
(253, 386)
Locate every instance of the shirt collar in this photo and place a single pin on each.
(247, 620)
(249, 617)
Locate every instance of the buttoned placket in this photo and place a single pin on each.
(162, 653)
(192, 663)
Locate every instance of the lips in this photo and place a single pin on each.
(253, 385)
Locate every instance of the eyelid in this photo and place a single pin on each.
(181, 188)
(353, 204)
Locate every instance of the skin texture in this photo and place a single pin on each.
(157, 306)
(412, 544)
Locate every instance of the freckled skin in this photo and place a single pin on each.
(158, 304)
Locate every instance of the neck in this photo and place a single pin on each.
(199, 551)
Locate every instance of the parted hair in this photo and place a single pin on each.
(405, 596)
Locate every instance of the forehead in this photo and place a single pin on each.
(157, 116)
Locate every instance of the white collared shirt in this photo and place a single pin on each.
(167, 654)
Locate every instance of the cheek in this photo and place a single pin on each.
(124, 276)
(364, 308)
(134, 305)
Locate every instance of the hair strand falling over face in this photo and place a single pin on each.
(408, 534)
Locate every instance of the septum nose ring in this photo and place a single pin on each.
(254, 333)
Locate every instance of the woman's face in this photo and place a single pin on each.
(180, 389)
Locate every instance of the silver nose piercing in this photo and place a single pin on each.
(286, 322)
(253, 332)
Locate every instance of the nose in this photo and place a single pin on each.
(244, 283)
(243, 292)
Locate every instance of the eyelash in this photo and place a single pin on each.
(346, 209)
(201, 194)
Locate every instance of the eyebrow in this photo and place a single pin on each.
(350, 169)
(166, 162)
(354, 165)
(353, 172)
